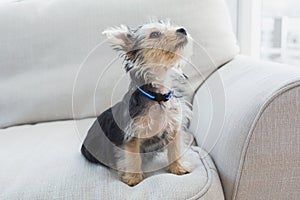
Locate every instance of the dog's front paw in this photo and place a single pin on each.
(177, 168)
(132, 179)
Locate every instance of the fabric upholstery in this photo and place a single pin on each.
(55, 64)
(43, 161)
(226, 109)
(271, 168)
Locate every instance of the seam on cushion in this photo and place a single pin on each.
(207, 185)
(279, 92)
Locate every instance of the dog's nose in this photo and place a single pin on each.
(181, 30)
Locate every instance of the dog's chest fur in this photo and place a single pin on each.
(157, 124)
(157, 119)
(151, 121)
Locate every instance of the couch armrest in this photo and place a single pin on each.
(247, 116)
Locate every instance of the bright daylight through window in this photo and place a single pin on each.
(280, 31)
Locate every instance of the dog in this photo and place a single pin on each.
(154, 114)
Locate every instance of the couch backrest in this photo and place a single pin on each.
(55, 64)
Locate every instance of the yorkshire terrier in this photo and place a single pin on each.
(154, 114)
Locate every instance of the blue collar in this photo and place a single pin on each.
(156, 96)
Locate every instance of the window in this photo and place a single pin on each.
(280, 31)
(270, 29)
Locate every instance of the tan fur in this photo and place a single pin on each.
(145, 127)
(157, 119)
(174, 154)
(160, 56)
(132, 179)
(161, 51)
(133, 163)
(150, 59)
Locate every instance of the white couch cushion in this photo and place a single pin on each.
(44, 162)
(46, 44)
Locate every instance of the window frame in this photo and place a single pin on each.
(249, 27)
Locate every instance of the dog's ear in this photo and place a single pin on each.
(119, 37)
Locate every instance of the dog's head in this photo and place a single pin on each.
(151, 46)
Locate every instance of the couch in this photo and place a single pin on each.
(58, 74)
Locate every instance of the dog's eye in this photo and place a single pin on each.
(154, 35)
